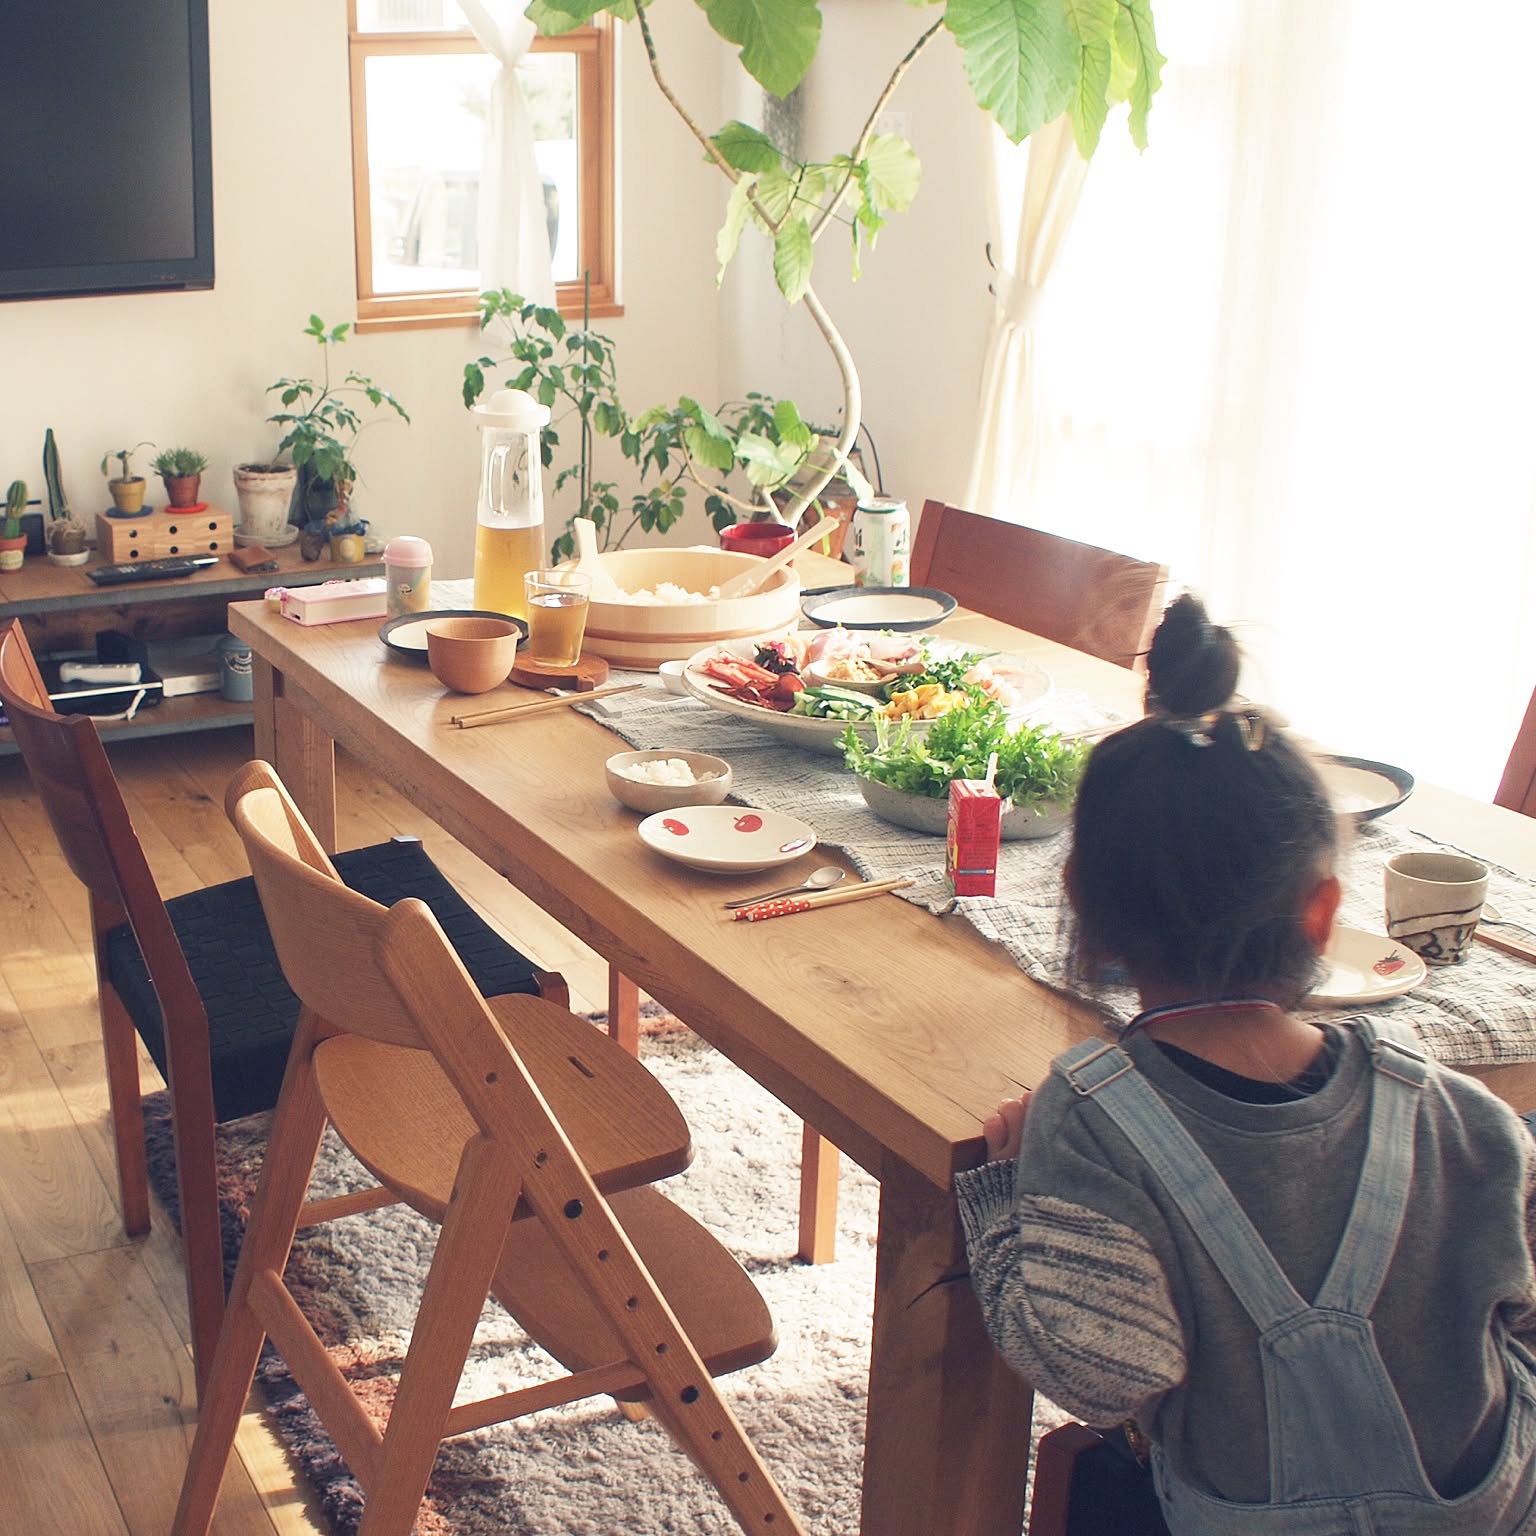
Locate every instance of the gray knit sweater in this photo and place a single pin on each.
(1096, 1289)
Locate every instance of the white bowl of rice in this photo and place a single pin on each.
(663, 780)
(671, 606)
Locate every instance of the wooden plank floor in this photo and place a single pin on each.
(96, 1401)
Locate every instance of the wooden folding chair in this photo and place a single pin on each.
(1517, 789)
(197, 977)
(1088, 598)
(433, 1090)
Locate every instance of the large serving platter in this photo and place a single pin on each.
(1032, 683)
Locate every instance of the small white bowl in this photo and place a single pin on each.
(671, 673)
(727, 839)
(711, 781)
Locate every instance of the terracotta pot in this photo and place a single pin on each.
(13, 552)
(181, 490)
(127, 495)
(265, 492)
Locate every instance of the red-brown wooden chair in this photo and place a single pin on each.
(1517, 789)
(197, 978)
(1091, 599)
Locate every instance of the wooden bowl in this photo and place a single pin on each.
(712, 781)
(471, 655)
(643, 635)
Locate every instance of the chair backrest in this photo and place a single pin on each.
(326, 935)
(1517, 789)
(1092, 599)
(69, 769)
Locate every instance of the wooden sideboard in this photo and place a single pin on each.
(62, 609)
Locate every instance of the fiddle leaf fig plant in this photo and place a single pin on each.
(1027, 62)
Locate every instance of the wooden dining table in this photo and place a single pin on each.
(891, 1031)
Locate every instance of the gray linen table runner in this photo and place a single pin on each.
(1478, 1013)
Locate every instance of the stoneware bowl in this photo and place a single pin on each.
(928, 814)
(711, 775)
(471, 655)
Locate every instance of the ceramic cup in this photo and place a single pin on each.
(1433, 903)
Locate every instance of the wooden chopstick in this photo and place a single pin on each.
(538, 706)
(1525, 948)
(784, 906)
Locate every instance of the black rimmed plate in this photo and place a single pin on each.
(1363, 789)
(406, 634)
(905, 609)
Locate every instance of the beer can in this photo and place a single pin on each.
(882, 543)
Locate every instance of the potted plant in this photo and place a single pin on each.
(182, 471)
(265, 494)
(126, 487)
(322, 436)
(1028, 62)
(66, 536)
(13, 541)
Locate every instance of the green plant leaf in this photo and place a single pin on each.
(745, 148)
(793, 255)
(894, 172)
(1020, 57)
(777, 38)
(707, 448)
(776, 194)
(738, 209)
(474, 383)
(790, 424)
(1136, 37)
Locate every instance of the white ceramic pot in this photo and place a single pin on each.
(265, 495)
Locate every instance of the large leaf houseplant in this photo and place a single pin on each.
(1027, 62)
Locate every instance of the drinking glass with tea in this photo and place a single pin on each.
(557, 615)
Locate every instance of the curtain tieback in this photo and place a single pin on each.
(1019, 300)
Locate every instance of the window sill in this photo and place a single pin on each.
(414, 312)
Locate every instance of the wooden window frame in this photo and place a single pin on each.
(593, 50)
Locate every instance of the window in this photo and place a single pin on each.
(420, 96)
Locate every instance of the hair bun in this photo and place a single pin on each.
(1193, 665)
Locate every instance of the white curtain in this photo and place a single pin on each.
(1289, 351)
(1034, 189)
(513, 232)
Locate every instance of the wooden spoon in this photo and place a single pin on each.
(750, 581)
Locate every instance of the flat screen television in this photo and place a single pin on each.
(106, 175)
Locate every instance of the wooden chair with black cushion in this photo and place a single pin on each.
(1517, 789)
(1091, 1484)
(508, 1122)
(197, 977)
(1091, 599)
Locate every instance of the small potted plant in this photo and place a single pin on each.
(66, 537)
(126, 487)
(182, 471)
(13, 541)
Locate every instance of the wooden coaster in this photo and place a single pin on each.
(589, 672)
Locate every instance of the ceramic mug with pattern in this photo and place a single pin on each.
(1434, 901)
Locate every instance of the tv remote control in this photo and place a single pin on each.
(150, 570)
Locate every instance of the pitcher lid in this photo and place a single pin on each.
(512, 408)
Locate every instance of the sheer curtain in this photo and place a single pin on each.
(513, 232)
(1289, 350)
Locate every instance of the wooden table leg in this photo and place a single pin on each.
(623, 1010)
(819, 1162)
(947, 1434)
(303, 754)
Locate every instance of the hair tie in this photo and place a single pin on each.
(1200, 730)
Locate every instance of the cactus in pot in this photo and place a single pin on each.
(13, 542)
(66, 534)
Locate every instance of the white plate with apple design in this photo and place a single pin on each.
(1365, 968)
(727, 839)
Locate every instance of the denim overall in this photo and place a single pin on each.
(1342, 1458)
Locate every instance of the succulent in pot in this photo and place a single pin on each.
(182, 471)
(126, 487)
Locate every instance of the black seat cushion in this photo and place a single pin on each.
(251, 1011)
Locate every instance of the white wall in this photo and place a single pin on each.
(916, 321)
(192, 367)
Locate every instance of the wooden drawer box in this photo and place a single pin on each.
(187, 531)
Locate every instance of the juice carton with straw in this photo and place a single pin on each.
(975, 836)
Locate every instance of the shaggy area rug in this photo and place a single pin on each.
(584, 1470)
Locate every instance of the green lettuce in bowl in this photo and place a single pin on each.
(1037, 768)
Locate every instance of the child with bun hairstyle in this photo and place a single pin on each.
(1297, 1254)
